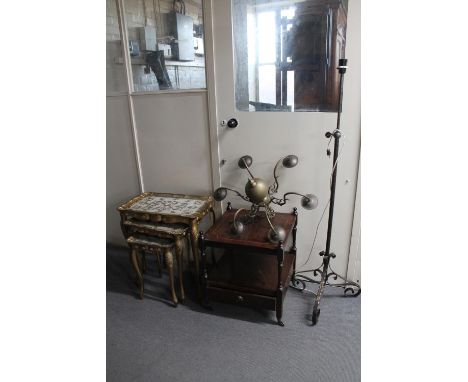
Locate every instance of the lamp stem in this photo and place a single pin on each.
(247, 168)
(325, 270)
(337, 135)
(332, 197)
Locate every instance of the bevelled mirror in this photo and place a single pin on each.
(286, 53)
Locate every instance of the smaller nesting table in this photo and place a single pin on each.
(157, 245)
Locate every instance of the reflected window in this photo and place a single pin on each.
(286, 53)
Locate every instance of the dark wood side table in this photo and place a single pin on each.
(252, 271)
(168, 208)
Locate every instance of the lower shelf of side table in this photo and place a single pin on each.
(249, 279)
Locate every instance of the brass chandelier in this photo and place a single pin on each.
(262, 196)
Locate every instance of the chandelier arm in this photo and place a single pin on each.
(284, 199)
(247, 167)
(294, 193)
(271, 225)
(275, 186)
(236, 214)
(279, 202)
(238, 194)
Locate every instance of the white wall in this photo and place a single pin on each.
(173, 141)
(352, 108)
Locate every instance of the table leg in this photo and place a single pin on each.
(179, 249)
(279, 310)
(140, 265)
(293, 249)
(213, 221)
(194, 241)
(279, 292)
(170, 267)
(136, 267)
(204, 277)
(157, 252)
(144, 264)
(189, 248)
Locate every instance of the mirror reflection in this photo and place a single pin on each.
(286, 53)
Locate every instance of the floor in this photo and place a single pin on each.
(150, 340)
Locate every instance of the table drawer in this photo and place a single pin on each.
(241, 298)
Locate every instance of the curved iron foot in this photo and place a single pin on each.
(354, 293)
(299, 285)
(351, 288)
(298, 282)
(348, 286)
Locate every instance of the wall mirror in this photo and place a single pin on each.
(286, 53)
(165, 43)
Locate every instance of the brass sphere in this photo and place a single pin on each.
(256, 190)
(220, 194)
(290, 161)
(245, 161)
(237, 228)
(309, 202)
(277, 236)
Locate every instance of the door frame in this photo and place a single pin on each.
(210, 75)
(354, 257)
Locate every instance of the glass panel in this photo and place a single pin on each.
(115, 72)
(267, 83)
(286, 53)
(266, 37)
(166, 44)
(290, 86)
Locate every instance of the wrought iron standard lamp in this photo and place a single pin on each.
(299, 280)
(261, 196)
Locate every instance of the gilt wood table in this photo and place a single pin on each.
(169, 208)
(252, 271)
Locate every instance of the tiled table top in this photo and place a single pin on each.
(168, 204)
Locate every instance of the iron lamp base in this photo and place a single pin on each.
(299, 282)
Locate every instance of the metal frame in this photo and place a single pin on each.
(128, 73)
(210, 75)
